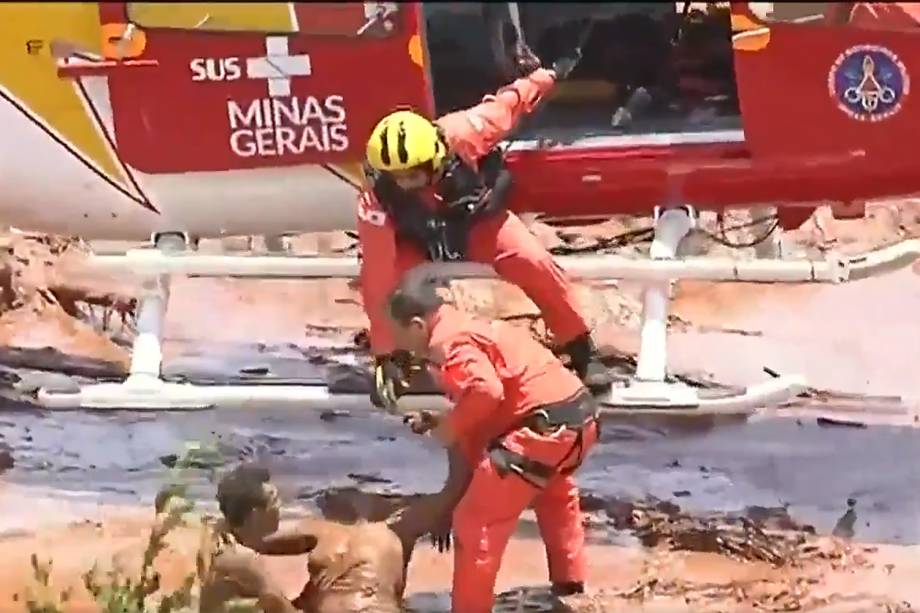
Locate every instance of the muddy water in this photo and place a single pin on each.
(858, 337)
(123, 458)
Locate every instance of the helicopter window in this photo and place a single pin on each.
(461, 48)
(325, 18)
(646, 68)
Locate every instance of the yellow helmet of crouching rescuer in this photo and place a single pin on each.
(403, 140)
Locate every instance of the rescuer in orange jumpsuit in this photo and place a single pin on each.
(437, 194)
(522, 420)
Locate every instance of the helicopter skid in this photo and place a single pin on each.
(658, 398)
(154, 394)
(145, 388)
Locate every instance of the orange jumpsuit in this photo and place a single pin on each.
(501, 240)
(496, 375)
(879, 15)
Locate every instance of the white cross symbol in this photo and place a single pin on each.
(277, 66)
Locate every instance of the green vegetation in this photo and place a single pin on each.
(117, 592)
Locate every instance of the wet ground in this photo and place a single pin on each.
(797, 464)
(854, 480)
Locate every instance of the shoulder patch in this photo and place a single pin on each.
(368, 213)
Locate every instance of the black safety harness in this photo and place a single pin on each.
(466, 195)
(576, 414)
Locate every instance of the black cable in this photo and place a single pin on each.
(723, 239)
(645, 234)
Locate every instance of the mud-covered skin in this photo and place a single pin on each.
(353, 568)
(362, 567)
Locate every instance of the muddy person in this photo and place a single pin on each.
(352, 568)
(437, 193)
(524, 423)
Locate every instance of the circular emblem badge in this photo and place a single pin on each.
(868, 82)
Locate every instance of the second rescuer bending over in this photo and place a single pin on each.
(523, 422)
(438, 195)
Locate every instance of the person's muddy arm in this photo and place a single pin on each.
(430, 512)
(459, 475)
(239, 574)
(293, 541)
(215, 593)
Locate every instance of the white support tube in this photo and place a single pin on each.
(670, 229)
(836, 269)
(146, 352)
(603, 267)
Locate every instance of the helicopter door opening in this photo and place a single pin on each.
(646, 67)
(464, 45)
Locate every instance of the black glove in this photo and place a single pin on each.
(391, 380)
(564, 65)
(519, 60)
(524, 59)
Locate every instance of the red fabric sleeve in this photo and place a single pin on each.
(379, 274)
(471, 382)
(474, 132)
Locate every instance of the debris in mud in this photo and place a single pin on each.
(792, 591)
(366, 478)
(331, 415)
(50, 316)
(660, 523)
(49, 359)
(845, 526)
(759, 535)
(844, 423)
(169, 460)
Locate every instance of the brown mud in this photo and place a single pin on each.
(684, 517)
(688, 564)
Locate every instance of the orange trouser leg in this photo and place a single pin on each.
(557, 506)
(559, 517)
(488, 514)
(519, 258)
(483, 523)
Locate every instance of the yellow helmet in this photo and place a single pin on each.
(404, 140)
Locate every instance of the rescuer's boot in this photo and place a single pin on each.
(569, 588)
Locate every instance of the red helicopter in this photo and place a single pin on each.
(171, 122)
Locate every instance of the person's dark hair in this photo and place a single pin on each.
(414, 298)
(241, 491)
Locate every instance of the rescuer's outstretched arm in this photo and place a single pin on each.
(474, 132)
(382, 266)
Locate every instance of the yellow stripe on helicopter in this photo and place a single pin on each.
(28, 73)
(274, 17)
